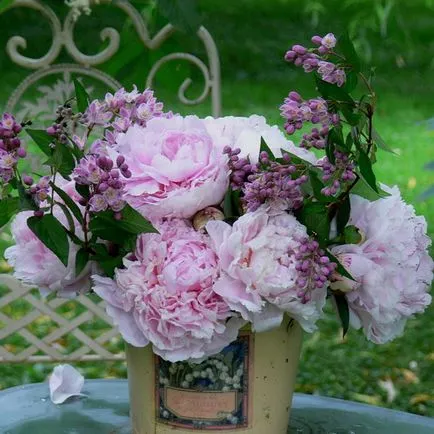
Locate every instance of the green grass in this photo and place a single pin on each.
(252, 40)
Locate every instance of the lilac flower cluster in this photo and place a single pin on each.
(240, 167)
(120, 110)
(104, 179)
(10, 146)
(297, 111)
(60, 127)
(340, 172)
(314, 268)
(271, 181)
(41, 190)
(314, 59)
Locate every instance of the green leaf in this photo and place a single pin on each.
(26, 202)
(81, 96)
(81, 260)
(349, 142)
(332, 92)
(52, 234)
(317, 186)
(330, 149)
(380, 142)
(134, 223)
(107, 262)
(314, 216)
(347, 48)
(340, 268)
(231, 204)
(366, 171)
(343, 215)
(9, 206)
(62, 160)
(362, 189)
(42, 139)
(107, 230)
(351, 81)
(68, 202)
(83, 190)
(351, 115)
(352, 235)
(265, 148)
(343, 311)
(68, 216)
(183, 14)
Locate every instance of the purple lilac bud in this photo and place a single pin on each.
(314, 269)
(341, 172)
(28, 180)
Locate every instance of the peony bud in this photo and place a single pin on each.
(202, 217)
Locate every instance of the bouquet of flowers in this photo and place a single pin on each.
(191, 228)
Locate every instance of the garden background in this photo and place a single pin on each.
(396, 36)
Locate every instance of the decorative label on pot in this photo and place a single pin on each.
(213, 395)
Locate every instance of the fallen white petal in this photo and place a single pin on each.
(388, 386)
(65, 381)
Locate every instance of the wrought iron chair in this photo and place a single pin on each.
(76, 318)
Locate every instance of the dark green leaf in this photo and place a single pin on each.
(9, 206)
(351, 115)
(62, 160)
(228, 209)
(349, 142)
(83, 190)
(26, 201)
(334, 93)
(52, 234)
(380, 142)
(365, 167)
(134, 223)
(317, 186)
(69, 202)
(340, 268)
(265, 148)
(315, 217)
(42, 139)
(183, 14)
(68, 216)
(107, 230)
(351, 81)
(330, 150)
(343, 311)
(343, 215)
(347, 48)
(81, 260)
(81, 96)
(107, 262)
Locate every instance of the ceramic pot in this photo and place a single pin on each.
(247, 388)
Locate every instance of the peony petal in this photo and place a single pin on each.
(65, 382)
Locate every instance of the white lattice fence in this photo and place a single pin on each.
(40, 330)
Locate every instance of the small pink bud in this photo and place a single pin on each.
(317, 40)
(38, 213)
(21, 152)
(51, 130)
(117, 216)
(299, 49)
(120, 160)
(28, 180)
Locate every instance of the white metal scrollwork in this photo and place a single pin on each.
(63, 37)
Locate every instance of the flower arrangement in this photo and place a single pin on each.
(192, 228)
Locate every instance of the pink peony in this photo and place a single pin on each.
(391, 266)
(258, 258)
(245, 133)
(36, 265)
(177, 167)
(166, 296)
